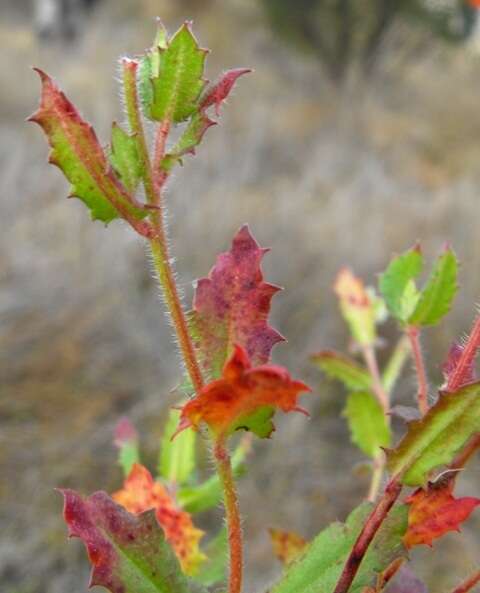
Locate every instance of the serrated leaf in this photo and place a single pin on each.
(231, 306)
(346, 370)
(208, 494)
(434, 440)
(77, 152)
(129, 554)
(125, 158)
(177, 456)
(140, 493)
(218, 92)
(405, 581)
(213, 570)
(177, 87)
(397, 283)
(287, 545)
(368, 426)
(357, 307)
(126, 440)
(318, 569)
(191, 137)
(435, 511)
(450, 365)
(437, 296)
(244, 398)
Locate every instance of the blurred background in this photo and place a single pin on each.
(358, 134)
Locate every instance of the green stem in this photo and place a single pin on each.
(153, 181)
(232, 513)
(395, 364)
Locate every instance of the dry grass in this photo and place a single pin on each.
(324, 181)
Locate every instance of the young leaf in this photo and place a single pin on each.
(208, 494)
(405, 581)
(141, 493)
(436, 438)
(434, 512)
(231, 306)
(319, 568)
(126, 440)
(366, 420)
(214, 568)
(128, 554)
(125, 158)
(397, 283)
(357, 307)
(77, 152)
(287, 545)
(177, 87)
(216, 94)
(437, 296)
(191, 137)
(346, 370)
(244, 398)
(177, 457)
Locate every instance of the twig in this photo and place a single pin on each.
(422, 395)
(467, 585)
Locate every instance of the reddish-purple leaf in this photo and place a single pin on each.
(216, 94)
(128, 553)
(231, 307)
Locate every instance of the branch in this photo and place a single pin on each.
(372, 525)
(422, 394)
(468, 584)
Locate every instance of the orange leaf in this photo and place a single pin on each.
(287, 545)
(140, 493)
(244, 397)
(434, 512)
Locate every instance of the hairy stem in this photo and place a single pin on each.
(372, 525)
(469, 583)
(472, 446)
(422, 394)
(232, 513)
(153, 181)
(457, 378)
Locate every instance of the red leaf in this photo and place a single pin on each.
(231, 306)
(287, 545)
(434, 512)
(141, 493)
(128, 554)
(216, 94)
(240, 397)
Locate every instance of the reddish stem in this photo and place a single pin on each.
(373, 523)
(467, 585)
(372, 364)
(232, 513)
(422, 394)
(457, 378)
(468, 451)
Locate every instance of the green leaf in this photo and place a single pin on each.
(125, 158)
(366, 420)
(208, 494)
(434, 440)
(437, 296)
(397, 283)
(128, 455)
(177, 87)
(177, 457)
(126, 440)
(77, 152)
(191, 137)
(346, 370)
(213, 570)
(318, 570)
(128, 553)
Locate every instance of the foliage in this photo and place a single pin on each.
(144, 538)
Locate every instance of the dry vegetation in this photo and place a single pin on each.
(324, 181)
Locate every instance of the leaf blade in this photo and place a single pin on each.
(433, 440)
(338, 366)
(177, 456)
(369, 429)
